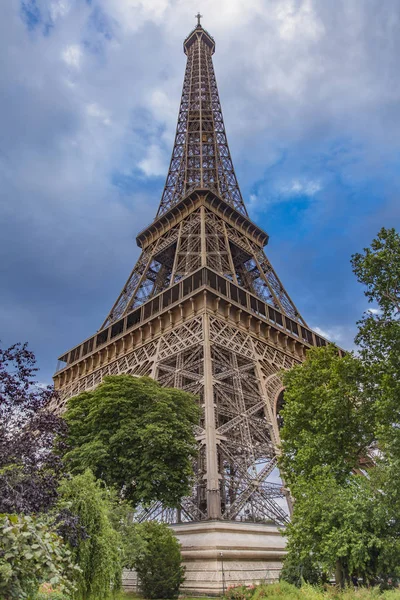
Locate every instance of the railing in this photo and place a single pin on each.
(203, 277)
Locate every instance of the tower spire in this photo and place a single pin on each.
(198, 17)
(200, 158)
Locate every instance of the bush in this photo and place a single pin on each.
(95, 545)
(286, 591)
(47, 592)
(297, 571)
(30, 554)
(122, 519)
(159, 563)
(239, 592)
(55, 595)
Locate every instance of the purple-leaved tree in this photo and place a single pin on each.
(31, 436)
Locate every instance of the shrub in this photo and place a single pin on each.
(159, 563)
(47, 592)
(95, 545)
(297, 571)
(286, 591)
(239, 592)
(132, 543)
(30, 553)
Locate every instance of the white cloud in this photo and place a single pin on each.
(334, 334)
(42, 385)
(154, 164)
(96, 111)
(255, 205)
(298, 187)
(131, 14)
(72, 56)
(165, 110)
(59, 9)
(281, 192)
(295, 20)
(375, 311)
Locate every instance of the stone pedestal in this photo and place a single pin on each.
(220, 554)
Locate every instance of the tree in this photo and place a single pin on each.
(29, 466)
(136, 435)
(335, 410)
(378, 268)
(122, 519)
(328, 428)
(340, 528)
(327, 421)
(30, 554)
(299, 568)
(96, 546)
(159, 563)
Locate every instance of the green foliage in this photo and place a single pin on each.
(335, 408)
(340, 521)
(136, 435)
(132, 543)
(298, 571)
(97, 552)
(48, 592)
(240, 592)
(285, 591)
(339, 526)
(378, 268)
(327, 421)
(51, 596)
(159, 563)
(30, 553)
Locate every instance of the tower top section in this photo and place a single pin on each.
(199, 34)
(201, 158)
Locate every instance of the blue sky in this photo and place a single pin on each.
(89, 99)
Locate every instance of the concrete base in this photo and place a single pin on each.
(220, 554)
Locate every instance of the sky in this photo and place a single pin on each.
(89, 98)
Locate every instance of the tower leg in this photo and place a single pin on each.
(212, 475)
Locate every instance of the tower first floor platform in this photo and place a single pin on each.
(221, 554)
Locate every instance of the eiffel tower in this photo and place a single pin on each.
(203, 310)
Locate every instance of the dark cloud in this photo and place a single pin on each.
(310, 93)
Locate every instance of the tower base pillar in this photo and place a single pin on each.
(222, 554)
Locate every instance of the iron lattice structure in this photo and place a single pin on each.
(203, 310)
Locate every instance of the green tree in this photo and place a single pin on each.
(327, 421)
(122, 519)
(299, 568)
(96, 547)
(136, 435)
(159, 563)
(335, 410)
(31, 554)
(328, 428)
(339, 528)
(378, 268)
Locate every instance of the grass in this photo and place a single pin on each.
(285, 591)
